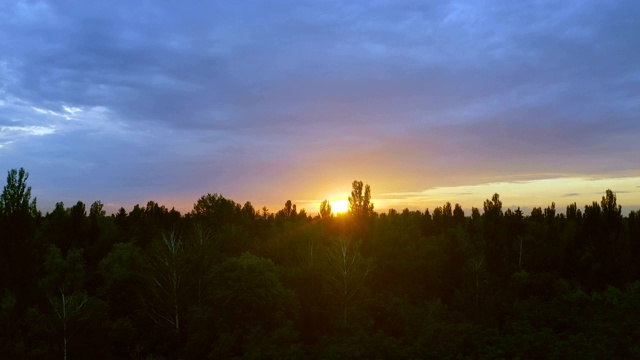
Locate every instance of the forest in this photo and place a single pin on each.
(229, 281)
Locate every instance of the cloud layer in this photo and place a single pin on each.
(266, 101)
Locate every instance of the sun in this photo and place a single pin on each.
(339, 206)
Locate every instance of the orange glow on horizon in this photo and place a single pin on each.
(339, 206)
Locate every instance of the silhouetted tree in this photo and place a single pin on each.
(289, 212)
(360, 205)
(18, 214)
(443, 218)
(216, 212)
(493, 235)
(458, 215)
(16, 195)
(325, 209)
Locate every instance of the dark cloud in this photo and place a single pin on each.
(228, 93)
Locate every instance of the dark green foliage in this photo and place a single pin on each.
(229, 281)
(16, 195)
(253, 310)
(19, 220)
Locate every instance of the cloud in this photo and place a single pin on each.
(526, 194)
(27, 130)
(292, 95)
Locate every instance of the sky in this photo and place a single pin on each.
(268, 101)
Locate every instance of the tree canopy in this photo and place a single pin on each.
(229, 281)
(16, 195)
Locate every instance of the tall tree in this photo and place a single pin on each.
(63, 283)
(346, 272)
(360, 205)
(79, 225)
(16, 195)
(325, 209)
(18, 255)
(289, 212)
(360, 214)
(610, 246)
(166, 296)
(493, 235)
(458, 215)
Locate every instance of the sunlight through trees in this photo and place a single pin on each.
(230, 281)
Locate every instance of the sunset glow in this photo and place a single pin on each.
(319, 179)
(427, 102)
(339, 206)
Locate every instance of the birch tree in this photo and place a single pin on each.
(202, 256)
(166, 268)
(68, 309)
(66, 276)
(346, 272)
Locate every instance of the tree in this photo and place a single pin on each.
(122, 287)
(253, 309)
(360, 214)
(573, 213)
(493, 207)
(325, 209)
(68, 308)
(63, 285)
(17, 219)
(216, 211)
(249, 216)
(494, 235)
(16, 194)
(360, 205)
(289, 211)
(458, 215)
(346, 272)
(610, 247)
(611, 212)
(165, 302)
(96, 210)
(202, 257)
(442, 218)
(79, 225)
